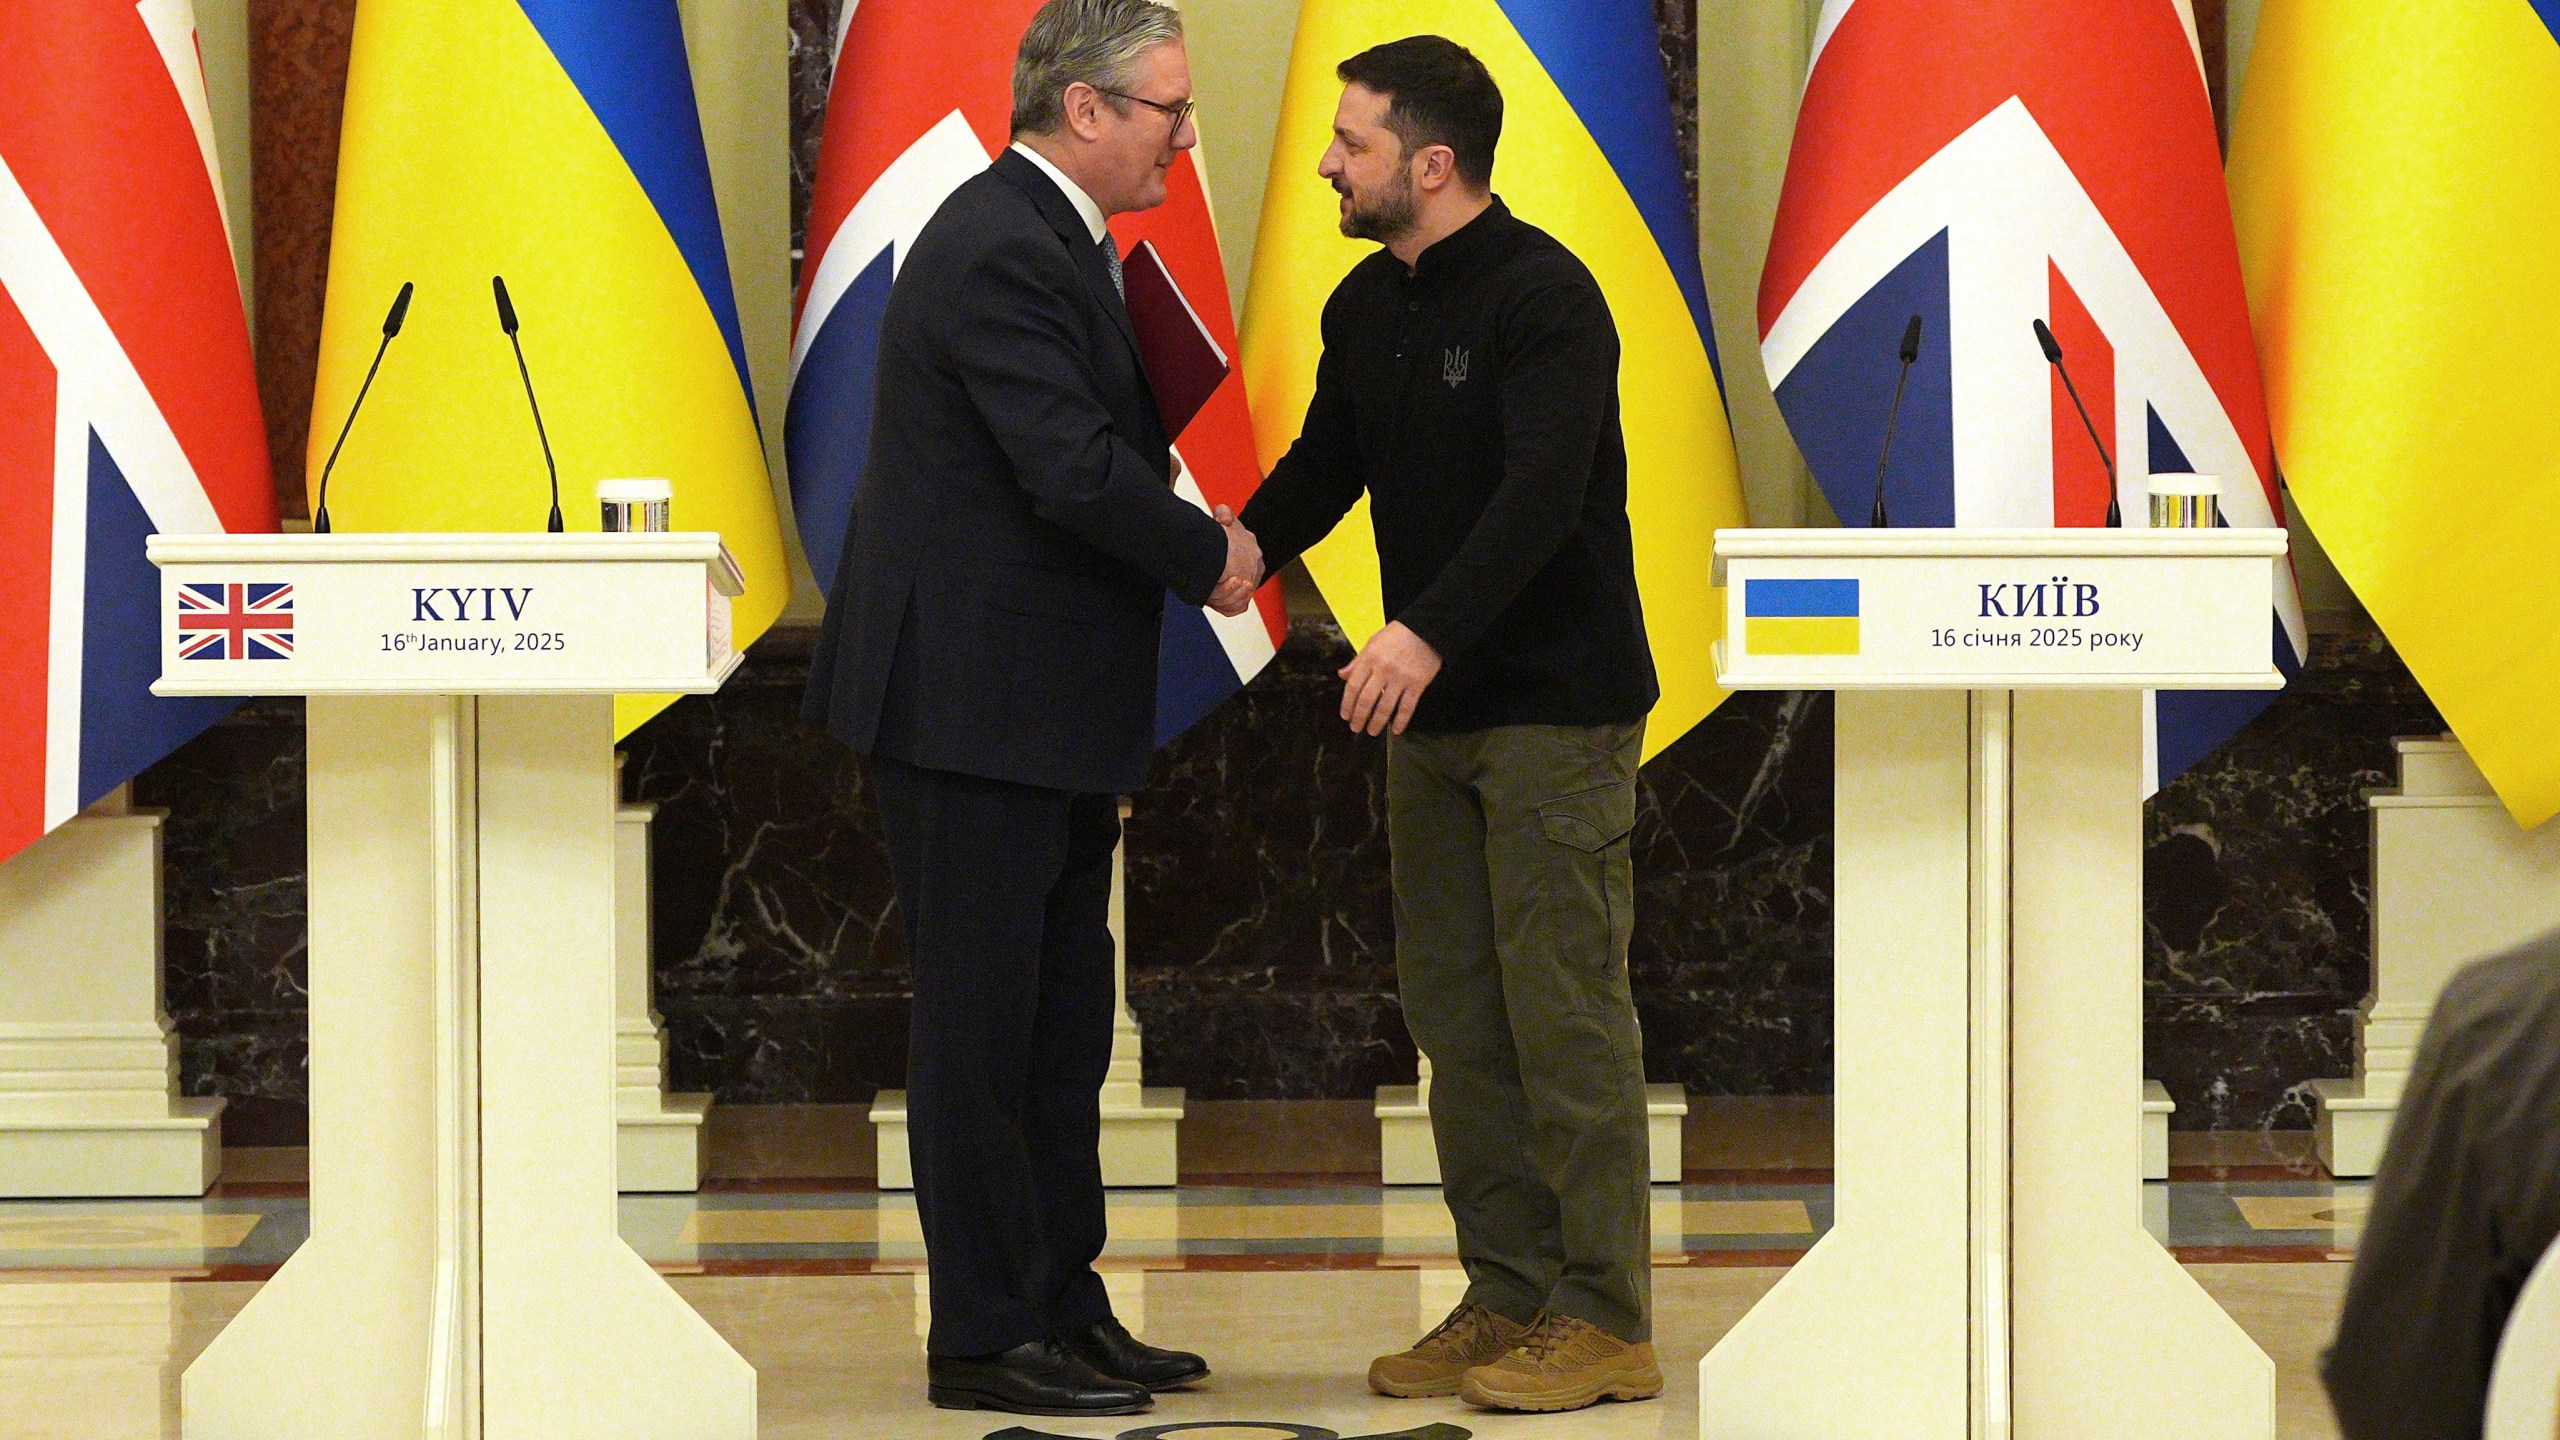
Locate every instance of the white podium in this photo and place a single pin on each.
(1987, 1275)
(464, 1277)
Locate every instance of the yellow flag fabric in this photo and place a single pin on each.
(1587, 155)
(555, 143)
(2395, 175)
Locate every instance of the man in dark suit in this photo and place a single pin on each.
(992, 644)
(2466, 1202)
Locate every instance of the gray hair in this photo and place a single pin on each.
(1095, 42)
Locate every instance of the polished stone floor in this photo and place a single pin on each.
(837, 1355)
(1288, 1285)
(245, 1231)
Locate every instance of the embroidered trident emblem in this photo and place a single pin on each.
(1453, 367)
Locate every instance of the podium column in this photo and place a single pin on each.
(1987, 1275)
(1886, 1294)
(1140, 1122)
(2110, 1334)
(464, 1277)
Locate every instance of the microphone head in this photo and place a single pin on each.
(399, 315)
(506, 307)
(1911, 341)
(2052, 348)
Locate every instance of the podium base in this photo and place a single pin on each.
(1140, 1138)
(1406, 1152)
(178, 1154)
(659, 1151)
(2157, 1107)
(2348, 1129)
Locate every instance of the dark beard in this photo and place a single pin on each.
(1389, 218)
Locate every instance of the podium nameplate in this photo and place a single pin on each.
(443, 614)
(1998, 609)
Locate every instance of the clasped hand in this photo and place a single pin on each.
(1234, 594)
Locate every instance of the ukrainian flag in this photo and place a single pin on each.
(1800, 617)
(556, 143)
(1587, 155)
(2395, 175)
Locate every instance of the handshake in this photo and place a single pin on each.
(1234, 594)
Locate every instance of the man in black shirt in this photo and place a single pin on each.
(1469, 387)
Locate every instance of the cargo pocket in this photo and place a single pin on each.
(1590, 820)
(1597, 879)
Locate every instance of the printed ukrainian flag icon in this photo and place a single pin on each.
(1800, 617)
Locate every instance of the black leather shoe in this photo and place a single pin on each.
(1040, 1378)
(1108, 1347)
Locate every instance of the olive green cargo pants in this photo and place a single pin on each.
(1514, 898)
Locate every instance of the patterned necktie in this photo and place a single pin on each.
(1111, 257)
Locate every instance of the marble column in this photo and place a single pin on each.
(659, 1136)
(88, 1060)
(2454, 880)
(1139, 1121)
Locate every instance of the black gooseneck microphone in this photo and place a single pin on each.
(1910, 352)
(391, 324)
(507, 322)
(2053, 356)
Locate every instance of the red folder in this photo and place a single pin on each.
(1184, 364)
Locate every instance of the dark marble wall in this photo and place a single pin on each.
(813, 38)
(1261, 944)
(2213, 37)
(1676, 28)
(780, 967)
(297, 92)
(2257, 884)
(232, 897)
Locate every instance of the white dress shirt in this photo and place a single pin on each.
(1094, 220)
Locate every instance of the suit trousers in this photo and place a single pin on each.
(1006, 891)
(1514, 900)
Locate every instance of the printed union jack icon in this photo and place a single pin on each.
(235, 622)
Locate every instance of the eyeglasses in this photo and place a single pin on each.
(1179, 112)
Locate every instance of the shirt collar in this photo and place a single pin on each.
(1094, 220)
(1453, 250)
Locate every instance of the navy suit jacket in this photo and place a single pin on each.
(998, 608)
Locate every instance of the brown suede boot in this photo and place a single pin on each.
(1472, 1335)
(1564, 1364)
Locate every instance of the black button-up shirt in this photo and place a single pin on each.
(1474, 399)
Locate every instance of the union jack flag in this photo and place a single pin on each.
(1985, 164)
(128, 403)
(235, 622)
